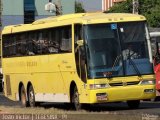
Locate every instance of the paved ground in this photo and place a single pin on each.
(115, 111)
(6, 102)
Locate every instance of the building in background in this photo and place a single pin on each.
(98, 5)
(27, 11)
(107, 4)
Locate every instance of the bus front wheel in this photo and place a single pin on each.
(31, 97)
(23, 97)
(133, 104)
(75, 99)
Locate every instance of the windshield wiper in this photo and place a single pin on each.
(134, 65)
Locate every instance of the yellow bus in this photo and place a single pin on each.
(84, 58)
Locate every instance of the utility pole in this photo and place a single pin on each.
(58, 7)
(135, 4)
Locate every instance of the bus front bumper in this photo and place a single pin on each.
(123, 93)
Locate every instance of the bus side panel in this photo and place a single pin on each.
(47, 81)
(11, 88)
(41, 71)
(69, 73)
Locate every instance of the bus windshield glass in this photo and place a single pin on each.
(117, 49)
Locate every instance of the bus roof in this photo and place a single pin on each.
(78, 18)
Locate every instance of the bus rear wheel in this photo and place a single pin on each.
(133, 104)
(75, 99)
(31, 96)
(23, 97)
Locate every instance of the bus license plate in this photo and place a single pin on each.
(102, 97)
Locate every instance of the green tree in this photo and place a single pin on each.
(79, 7)
(123, 7)
(149, 8)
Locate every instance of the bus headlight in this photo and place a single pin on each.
(147, 82)
(98, 86)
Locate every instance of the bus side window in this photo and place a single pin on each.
(13, 45)
(21, 44)
(31, 48)
(53, 41)
(66, 39)
(10, 46)
(6, 48)
(57, 38)
(78, 33)
(41, 42)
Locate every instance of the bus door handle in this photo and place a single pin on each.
(84, 85)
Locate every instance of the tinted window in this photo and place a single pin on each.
(40, 42)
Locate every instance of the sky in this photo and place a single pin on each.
(92, 5)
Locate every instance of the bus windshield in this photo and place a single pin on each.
(117, 49)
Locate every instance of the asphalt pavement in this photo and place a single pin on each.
(146, 107)
(6, 102)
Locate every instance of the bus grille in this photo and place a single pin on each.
(133, 83)
(116, 84)
(124, 83)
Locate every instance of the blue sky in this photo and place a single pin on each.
(92, 5)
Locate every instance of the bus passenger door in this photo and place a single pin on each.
(81, 64)
(80, 61)
(82, 73)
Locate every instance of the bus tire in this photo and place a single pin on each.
(133, 104)
(23, 98)
(157, 98)
(75, 99)
(31, 96)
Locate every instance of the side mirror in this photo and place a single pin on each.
(80, 43)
